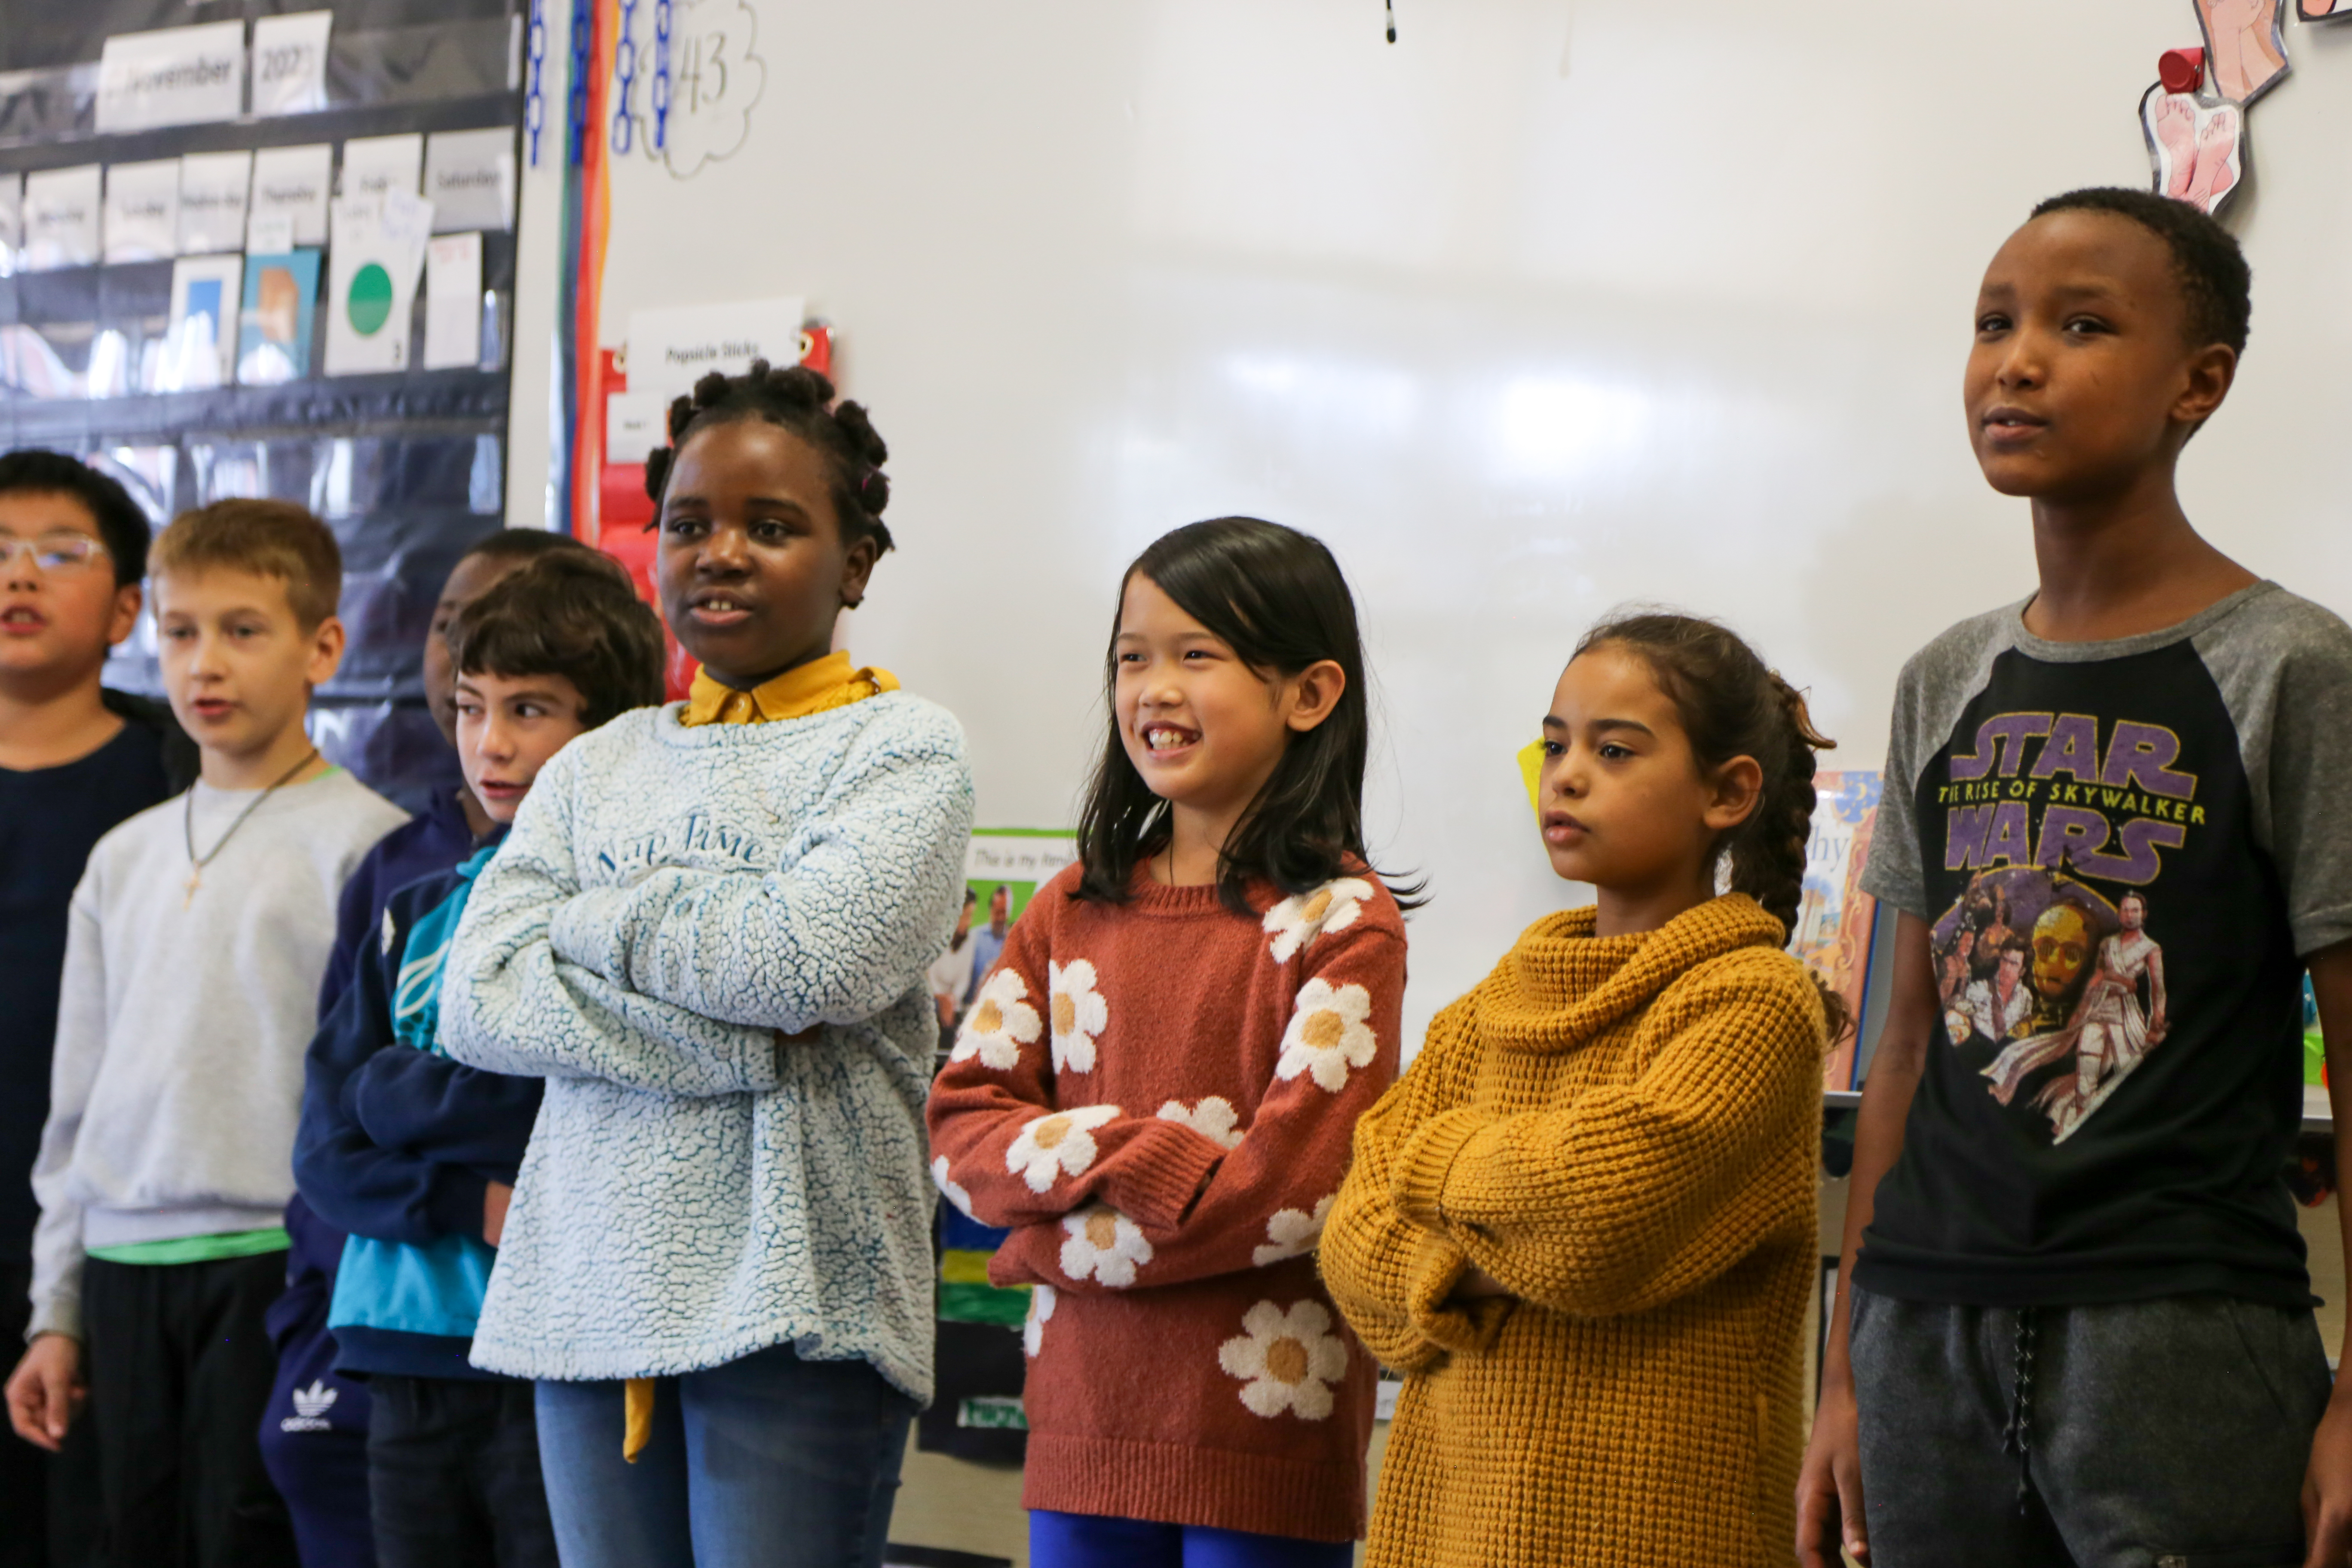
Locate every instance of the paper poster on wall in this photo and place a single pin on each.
(2196, 147)
(142, 211)
(290, 63)
(670, 350)
(453, 302)
(201, 337)
(295, 184)
(374, 164)
(212, 189)
(61, 212)
(172, 76)
(2245, 50)
(377, 254)
(281, 294)
(469, 179)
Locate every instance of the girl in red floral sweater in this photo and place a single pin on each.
(1155, 1087)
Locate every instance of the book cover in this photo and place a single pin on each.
(281, 303)
(1835, 916)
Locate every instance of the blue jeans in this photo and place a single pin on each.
(768, 1461)
(1090, 1541)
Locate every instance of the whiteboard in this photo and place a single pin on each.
(1547, 307)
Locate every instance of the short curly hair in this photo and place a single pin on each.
(572, 613)
(797, 399)
(2216, 284)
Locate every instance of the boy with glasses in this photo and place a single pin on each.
(75, 760)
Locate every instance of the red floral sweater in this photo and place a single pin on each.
(1158, 1098)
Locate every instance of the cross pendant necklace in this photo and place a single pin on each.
(196, 863)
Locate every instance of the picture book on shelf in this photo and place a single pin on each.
(1835, 916)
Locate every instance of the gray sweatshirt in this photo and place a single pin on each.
(182, 1021)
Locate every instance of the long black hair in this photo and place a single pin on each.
(1276, 598)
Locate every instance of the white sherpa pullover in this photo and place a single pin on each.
(672, 902)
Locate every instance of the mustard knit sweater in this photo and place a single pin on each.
(1623, 1132)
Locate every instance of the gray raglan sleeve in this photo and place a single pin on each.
(2287, 679)
(1893, 874)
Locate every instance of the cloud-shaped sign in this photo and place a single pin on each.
(714, 80)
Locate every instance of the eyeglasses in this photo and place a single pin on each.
(60, 553)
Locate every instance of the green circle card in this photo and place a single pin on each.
(371, 298)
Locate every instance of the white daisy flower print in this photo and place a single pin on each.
(1001, 1022)
(1079, 1014)
(1061, 1144)
(1328, 1034)
(1297, 922)
(1033, 1328)
(1103, 1244)
(1285, 1361)
(1213, 1119)
(1292, 1233)
(950, 1190)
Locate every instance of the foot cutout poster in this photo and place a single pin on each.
(2197, 147)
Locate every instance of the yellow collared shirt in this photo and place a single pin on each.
(816, 687)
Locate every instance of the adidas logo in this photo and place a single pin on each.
(311, 1407)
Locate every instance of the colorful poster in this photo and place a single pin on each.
(201, 336)
(281, 295)
(213, 191)
(142, 211)
(1835, 916)
(376, 256)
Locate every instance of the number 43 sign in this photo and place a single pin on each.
(684, 80)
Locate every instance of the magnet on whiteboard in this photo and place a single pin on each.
(2181, 70)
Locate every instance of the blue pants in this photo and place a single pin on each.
(1088, 1540)
(766, 1462)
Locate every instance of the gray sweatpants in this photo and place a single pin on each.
(2168, 1434)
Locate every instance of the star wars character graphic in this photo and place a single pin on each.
(2062, 991)
(2108, 1032)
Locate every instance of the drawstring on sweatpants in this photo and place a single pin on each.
(2017, 1437)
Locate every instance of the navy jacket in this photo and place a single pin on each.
(400, 1144)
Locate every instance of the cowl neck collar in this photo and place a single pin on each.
(1561, 985)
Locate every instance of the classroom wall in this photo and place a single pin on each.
(1547, 307)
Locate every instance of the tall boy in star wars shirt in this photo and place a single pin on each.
(2075, 1325)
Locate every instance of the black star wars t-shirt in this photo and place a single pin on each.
(2121, 848)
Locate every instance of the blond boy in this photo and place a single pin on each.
(198, 935)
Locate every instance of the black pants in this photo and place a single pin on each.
(48, 1503)
(453, 1475)
(2173, 1432)
(179, 1366)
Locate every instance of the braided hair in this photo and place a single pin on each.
(1732, 705)
(797, 399)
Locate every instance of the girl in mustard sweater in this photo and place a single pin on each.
(1583, 1223)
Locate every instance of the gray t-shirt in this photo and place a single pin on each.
(2157, 826)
